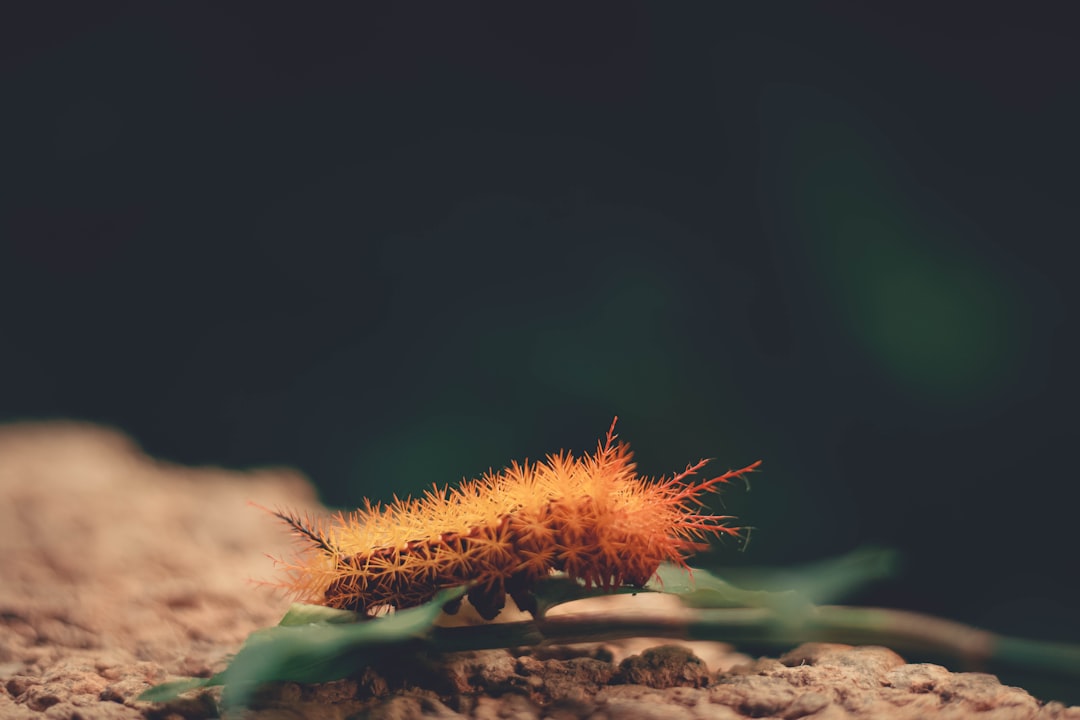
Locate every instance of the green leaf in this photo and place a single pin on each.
(172, 690)
(325, 650)
(833, 579)
(701, 589)
(825, 581)
(303, 614)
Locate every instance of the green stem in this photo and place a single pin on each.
(907, 632)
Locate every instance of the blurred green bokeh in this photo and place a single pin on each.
(907, 277)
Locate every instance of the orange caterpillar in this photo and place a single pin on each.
(591, 517)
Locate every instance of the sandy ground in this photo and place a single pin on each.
(119, 572)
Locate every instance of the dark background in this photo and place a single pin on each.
(395, 246)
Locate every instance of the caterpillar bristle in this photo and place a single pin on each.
(305, 527)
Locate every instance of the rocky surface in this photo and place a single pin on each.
(119, 572)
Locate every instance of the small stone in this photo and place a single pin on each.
(664, 667)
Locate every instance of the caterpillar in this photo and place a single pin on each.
(591, 517)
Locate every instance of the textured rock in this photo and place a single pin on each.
(120, 572)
